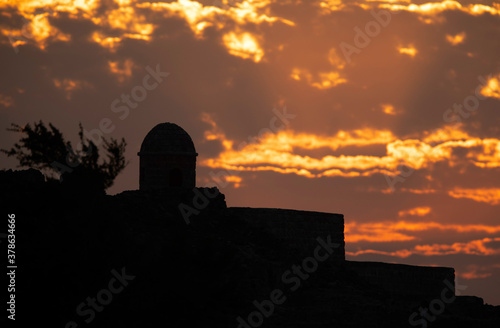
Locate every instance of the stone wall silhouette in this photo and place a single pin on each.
(296, 230)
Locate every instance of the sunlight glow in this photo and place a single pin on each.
(324, 80)
(243, 45)
(69, 86)
(122, 70)
(456, 39)
(410, 51)
(388, 109)
(107, 42)
(417, 211)
(492, 89)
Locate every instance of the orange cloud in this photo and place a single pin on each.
(324, 80)
(6, 101)
(106, 41)
(329, 6)
(69, 86)
(243, 45)
(474, 247)
(199, 17)
(444, 134)
(336, 60)
(125, 21)
(485, 195)
(128, 20)
(389, 231)
(456, 39)
(476, 272)
(479, 9)
(410, 50)
(37, 28)
(388, 109)
(434, 8)
(122, 70)
(278, 152)
(426, 8)
(215, 133)
(492, 88)
(417, 211)
(418, 191)
(372, 232)
(235, 180)
(70, 6)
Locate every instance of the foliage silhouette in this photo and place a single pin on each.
(45, 148)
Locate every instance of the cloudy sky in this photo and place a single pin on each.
(385, 111)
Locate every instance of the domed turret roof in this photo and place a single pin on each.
(167, 138)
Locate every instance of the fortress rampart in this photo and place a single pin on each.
(297, 230)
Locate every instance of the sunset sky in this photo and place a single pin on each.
(385, 111)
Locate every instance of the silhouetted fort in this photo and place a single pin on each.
(213, 269)
(168, 164)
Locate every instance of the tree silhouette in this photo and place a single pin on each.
(44, 148)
